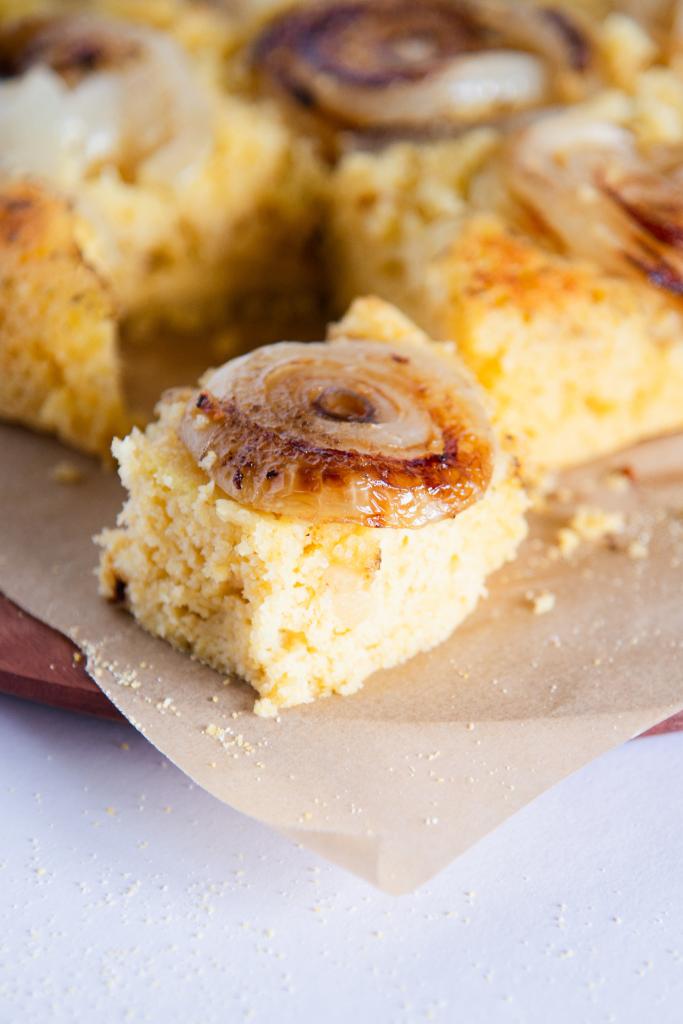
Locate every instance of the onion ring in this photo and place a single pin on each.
(343, 431)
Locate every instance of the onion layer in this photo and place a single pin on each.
(343, 431)
(78, 92)
(395, 63)
(605, 202)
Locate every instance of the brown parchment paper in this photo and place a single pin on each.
(397, 780)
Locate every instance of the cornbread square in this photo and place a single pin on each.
(234, 233)
(59, 369)
(301, 610)
(578, 361)
(197, 255)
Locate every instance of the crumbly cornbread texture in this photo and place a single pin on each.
(300, 610)
(58, 364)
(579, 362)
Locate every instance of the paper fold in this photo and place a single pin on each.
(397, 780)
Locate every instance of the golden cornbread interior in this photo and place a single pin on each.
(300, 610)
(578, 360)
(59, 370)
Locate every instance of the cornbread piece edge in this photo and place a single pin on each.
(300, 610)
(59, 369)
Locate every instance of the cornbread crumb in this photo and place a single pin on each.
(619, 480)
(568, 541)
(66, 472)
(591, 523)
(637, 549)
(541, 603)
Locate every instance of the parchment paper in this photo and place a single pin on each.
(397, 780)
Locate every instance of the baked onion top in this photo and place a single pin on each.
(79, 92)
(586, 181)
(343, 431)
(364, 64)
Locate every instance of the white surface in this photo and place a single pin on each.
(127, 894)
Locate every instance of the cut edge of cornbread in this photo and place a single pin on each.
(60, 370)
(231, 239)
(299, 610)
(578, 363)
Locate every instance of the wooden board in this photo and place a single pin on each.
(40, 664)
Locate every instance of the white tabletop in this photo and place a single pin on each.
(128, 894)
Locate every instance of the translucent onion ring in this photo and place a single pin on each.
(345, 431)
(603, 200)
(80, 91)
(71, 46)
(396, 62)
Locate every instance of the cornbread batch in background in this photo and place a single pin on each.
(507, 174)
(159, 203)
(548, 242)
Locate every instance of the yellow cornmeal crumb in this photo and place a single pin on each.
(637, 549)
(66, 473)
(298, 609)
(568, 541)
(541, 603)
(578, 362)
(591, 523)
(618, 481)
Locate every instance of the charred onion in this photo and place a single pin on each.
(344, 431)
(394, 63)
(604, 201)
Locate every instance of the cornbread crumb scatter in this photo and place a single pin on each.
(591, 523)
(66, 472)
(541, 603)
(300, 610)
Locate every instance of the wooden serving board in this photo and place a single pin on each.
(40, 664)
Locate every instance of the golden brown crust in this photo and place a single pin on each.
(58, 366)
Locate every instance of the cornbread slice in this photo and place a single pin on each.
(578, 361)
(189, 253)
(194, 249)
(300, 610)
(58, 364)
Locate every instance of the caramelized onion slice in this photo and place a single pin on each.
(395, 63)
(344, 431)
(80, 91)
(605, 202)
